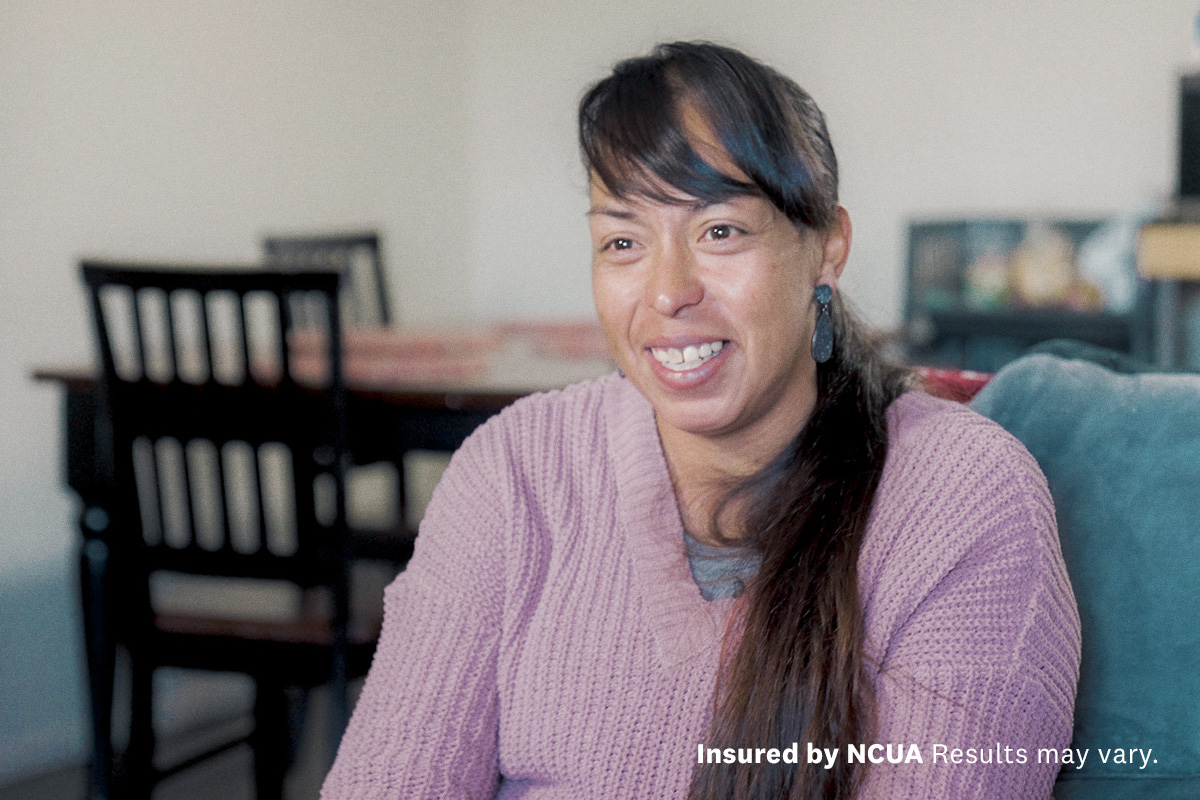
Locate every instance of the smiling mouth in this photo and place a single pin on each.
(687, 358)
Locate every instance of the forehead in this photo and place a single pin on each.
(605, 202)
(633, 206)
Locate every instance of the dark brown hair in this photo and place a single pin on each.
(798, 671)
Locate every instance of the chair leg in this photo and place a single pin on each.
(271, 739)
(339, 678)
(297, 699)
(401, 495)
(93, 576)
(139, 759)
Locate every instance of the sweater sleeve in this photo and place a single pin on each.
(425, 725)
(982, 661)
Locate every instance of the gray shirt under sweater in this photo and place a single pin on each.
(720, 572)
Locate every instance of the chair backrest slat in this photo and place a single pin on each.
(243, 329)
(284, 318)
(169, 334)
(138, 335)
(205, 342)
(151, 466)
(260, 496)
(222, 491)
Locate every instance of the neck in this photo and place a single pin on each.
(703, 468)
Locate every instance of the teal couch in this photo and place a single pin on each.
(1121, 452)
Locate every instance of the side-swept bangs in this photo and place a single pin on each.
(634, 139)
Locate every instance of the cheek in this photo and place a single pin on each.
(778, 310)
(767, 297)
(603, 294)
(614, 304)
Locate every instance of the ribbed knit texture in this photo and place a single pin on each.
(548, 640)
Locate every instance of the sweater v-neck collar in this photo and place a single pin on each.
(681, 620)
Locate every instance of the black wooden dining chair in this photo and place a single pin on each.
(357, 255)
(220, 462)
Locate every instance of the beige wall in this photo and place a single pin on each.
(187, 129)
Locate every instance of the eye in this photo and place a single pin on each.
(620, 243)
(720, 232)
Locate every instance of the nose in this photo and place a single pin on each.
(674, 282)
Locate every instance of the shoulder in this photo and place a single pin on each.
(960, 500)
(948, 460)
(960, 471)
(926, 431)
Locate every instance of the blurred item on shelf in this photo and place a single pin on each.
(982, 290)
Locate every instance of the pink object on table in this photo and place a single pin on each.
(387, 355)
(406, 343)
(388, 370)
(575, 339)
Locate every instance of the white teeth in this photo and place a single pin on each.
(689, 357)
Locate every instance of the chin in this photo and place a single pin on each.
(694, 418)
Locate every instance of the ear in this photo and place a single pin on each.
(836, 249)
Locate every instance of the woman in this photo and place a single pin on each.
(753, 542)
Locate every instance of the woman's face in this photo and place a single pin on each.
(708, 308)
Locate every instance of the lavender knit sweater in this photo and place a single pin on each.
(548, 639)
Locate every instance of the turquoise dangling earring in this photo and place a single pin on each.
(822, 338)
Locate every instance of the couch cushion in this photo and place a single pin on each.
(1122, 457)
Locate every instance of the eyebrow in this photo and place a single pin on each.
(610, 212)
(699, 205)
